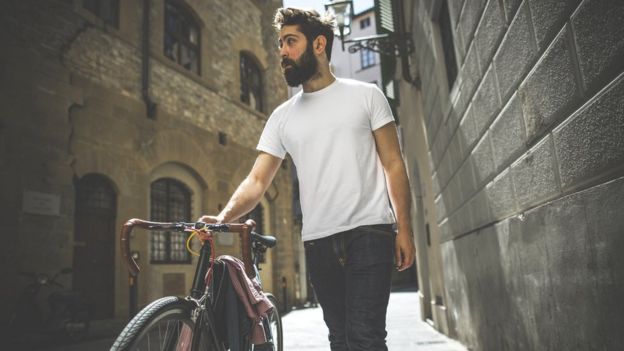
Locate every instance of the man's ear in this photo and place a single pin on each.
(319, 44)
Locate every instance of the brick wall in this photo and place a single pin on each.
(72, 106)
(526, 156)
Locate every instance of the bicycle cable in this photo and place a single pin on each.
(203, 235)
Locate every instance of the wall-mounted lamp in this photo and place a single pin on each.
(395, 44)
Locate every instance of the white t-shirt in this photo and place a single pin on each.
(328, 134)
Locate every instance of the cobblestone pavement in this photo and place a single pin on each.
(304, 330)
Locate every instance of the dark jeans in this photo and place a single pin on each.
(351, 273)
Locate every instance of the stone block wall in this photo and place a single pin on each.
(525, 148)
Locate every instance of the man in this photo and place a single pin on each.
(342, 138)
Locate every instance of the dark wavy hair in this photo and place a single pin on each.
(310, 23)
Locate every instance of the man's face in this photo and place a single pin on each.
(298, 61)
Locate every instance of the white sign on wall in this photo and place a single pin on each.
(41, 203)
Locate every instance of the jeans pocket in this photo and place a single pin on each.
(372, 246)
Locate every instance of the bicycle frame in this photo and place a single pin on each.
(201, 299)
(199, 290)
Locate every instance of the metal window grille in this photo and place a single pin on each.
(181, 39)
(170, 201)
(95, 195)
(251, 82)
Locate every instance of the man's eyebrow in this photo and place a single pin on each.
(288, 36)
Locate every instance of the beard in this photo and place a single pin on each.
(302, 70)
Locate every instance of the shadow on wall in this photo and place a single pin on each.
(550, 279)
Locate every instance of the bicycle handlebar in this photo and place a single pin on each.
(244, 229)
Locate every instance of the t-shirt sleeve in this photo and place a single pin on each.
(270, 140)
(381, 114)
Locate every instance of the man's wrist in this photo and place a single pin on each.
(404, 232)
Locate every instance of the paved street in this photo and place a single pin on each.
(304, 330)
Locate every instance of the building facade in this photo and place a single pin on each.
(365, 64)
(119, 109)
(513, 132)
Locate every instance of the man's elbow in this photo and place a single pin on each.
(394, 165)
(258, 183)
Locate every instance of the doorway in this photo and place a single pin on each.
(94, 240)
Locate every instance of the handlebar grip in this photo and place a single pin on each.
(126, 229)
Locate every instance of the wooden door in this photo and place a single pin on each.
(94, 240)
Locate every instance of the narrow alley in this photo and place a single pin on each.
(304, 330)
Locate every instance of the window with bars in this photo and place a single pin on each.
(367, 58)
(170, 200)
(95, 195)
(106, 10)
(181, 36)
(251, 82)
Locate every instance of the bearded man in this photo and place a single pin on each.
(354, 188)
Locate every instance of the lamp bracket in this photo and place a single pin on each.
(385, 44)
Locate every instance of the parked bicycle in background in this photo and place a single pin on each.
(66, 316)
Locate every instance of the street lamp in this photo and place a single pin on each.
(395, 44)
(343, 12)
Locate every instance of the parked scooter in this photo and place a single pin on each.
(66, 319)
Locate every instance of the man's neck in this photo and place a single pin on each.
(320, 80)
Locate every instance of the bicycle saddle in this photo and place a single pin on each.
(266, 240)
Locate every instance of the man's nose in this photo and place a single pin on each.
(283, 52)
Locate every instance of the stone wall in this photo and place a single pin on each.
(71, 105)
(526, 153)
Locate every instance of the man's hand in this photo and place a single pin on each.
(210, 219)
(404, 251)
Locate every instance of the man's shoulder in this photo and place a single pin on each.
(284, 106)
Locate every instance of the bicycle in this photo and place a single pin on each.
(66, 318)
(190, 323)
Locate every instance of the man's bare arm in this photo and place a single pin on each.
(250, 191)
(387, 143)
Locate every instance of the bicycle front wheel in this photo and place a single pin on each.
(275, 321)
(165, 324)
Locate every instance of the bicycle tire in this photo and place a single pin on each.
(275, 321)
(165, 324)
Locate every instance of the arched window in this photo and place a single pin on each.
(181, 36)
(94, 194)
(251, 82)
(170, 200)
